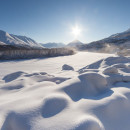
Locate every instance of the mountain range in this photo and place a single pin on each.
(119, 40)
(115, 41)
(11, 41)
(53, 45)
(74, 43)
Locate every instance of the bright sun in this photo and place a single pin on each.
(76, 31)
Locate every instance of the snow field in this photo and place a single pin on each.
(94, 97)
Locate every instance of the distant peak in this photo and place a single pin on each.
(76, 41)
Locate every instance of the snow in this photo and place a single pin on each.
(16, 40)
(110, 70)
(67, 67)
(37, 94)
(50, 65)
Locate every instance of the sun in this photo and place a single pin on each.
(76, 31)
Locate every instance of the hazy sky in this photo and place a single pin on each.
(53, 20)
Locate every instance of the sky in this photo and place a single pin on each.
(55, 20)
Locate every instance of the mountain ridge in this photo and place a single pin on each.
(18, 40)
(116, 41)
(74, 43)
(53, 45)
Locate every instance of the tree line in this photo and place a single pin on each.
(34, 53)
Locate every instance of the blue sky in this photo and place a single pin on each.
(52, 20)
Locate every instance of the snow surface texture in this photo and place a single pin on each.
(67, 67)
(94, 97)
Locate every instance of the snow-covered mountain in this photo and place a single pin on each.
(75, 43)
(53, 45)
(123, 35)
(17, 41)
(119, 40)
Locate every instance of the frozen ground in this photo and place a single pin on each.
(86, 91)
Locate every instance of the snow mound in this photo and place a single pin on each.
(93, 83)
(13, 76)
(117, 78)
(114, 69)
(35, 77)
(39, 77)
(15, 121)
(53, 105)
(13, 86)
(115, 60)
(42, 76)
(107, 62)
(67, 67)
(110, 70)
(89, 123)
(85, 85)
(120, 65)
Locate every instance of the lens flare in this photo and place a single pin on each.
(76, 31)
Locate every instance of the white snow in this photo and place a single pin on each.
(16, 40)
(37, 94)
(67, 67)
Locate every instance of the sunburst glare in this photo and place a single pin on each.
(76, 31)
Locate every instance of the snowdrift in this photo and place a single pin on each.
(97, 97)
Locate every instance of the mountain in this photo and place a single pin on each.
(53, 45)
(17, 40)
(111, 43)
(75, 43)
(118, 38)
(123, 35)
